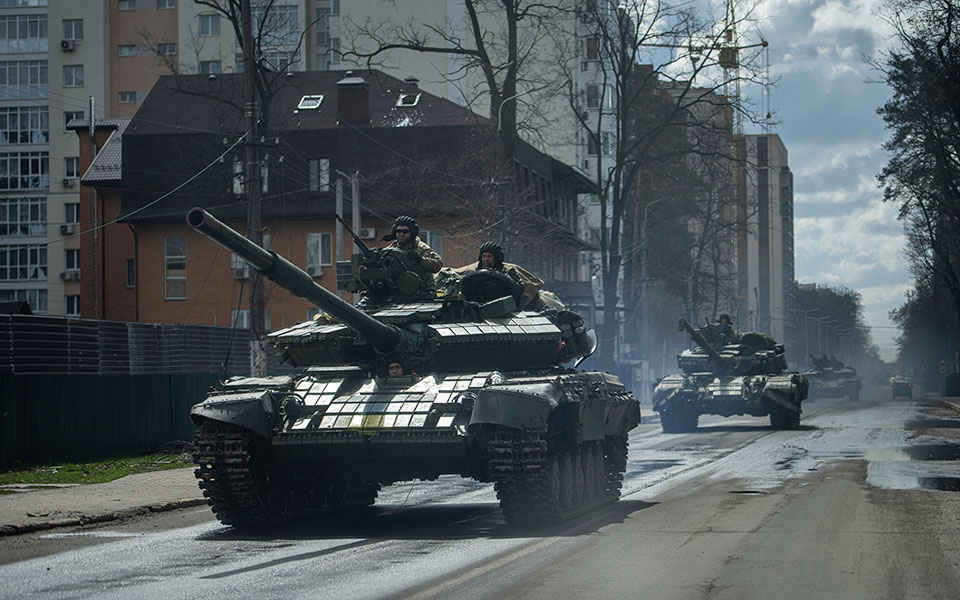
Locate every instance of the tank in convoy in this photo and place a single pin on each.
(411, 384)
(830, 378)
(730, 374)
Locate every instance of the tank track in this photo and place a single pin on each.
(534, 486)
(242, 492)
(231, 478)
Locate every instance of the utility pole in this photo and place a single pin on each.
(258, 350)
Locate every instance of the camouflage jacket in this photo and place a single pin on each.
(430, 261)
(530, 283)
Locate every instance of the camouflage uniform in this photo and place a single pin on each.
(430, 261)
(531, 284)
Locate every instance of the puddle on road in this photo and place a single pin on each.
(924, 466)
(945, 484)
(933, 424)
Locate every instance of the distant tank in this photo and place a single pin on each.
(484, 394)
(745, 375)
(830, 378)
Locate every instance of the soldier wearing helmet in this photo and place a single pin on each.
(404, 235)
(490, 256)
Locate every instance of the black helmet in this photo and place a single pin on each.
(724, 316)
(493, 248)
(402, 220)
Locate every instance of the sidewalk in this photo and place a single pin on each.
(38, 508)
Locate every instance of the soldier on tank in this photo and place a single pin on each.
(405, 235)
(720, 332)
(490, 257)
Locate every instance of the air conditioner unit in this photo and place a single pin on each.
(368, 233)
(67, 182)
(64, 275)
(66, 229)
(68, 45)
(75, 275)
(240, 274)
(315, 271)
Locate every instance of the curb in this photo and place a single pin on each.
(8, 530)
(951, 405)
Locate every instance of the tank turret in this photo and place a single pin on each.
(408, 385)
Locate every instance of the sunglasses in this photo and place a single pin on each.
(399, 231)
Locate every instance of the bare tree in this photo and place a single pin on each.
(665, 92)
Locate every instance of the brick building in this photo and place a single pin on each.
(411, 152)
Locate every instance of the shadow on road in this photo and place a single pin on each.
(427, 522)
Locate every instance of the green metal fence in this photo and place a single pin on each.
(69, 417)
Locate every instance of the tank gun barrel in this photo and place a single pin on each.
(699, 339)
(284, 273)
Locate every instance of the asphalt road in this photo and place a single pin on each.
(851, 505)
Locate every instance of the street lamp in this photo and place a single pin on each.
(806, 330)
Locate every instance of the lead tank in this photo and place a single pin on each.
(485, 395)
(745, 374)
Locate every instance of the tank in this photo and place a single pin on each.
(485, 393)
(744, 375)
(830, 378)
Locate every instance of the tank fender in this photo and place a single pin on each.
(252, 410)
(526, 406)
(665, 391)
(784, 391)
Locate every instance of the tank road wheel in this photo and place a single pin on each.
(233, 472)
(571, 479)
(783, 418)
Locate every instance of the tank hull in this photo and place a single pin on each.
(272, 450)
(681, 399)
(834, 384)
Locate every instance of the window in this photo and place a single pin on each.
(73, 29)
(593, 49)
(71, 166)
(434, 239)
(23, 79)
(24, 171)
(310, 102)
(175, 267)
(605, 145)
(23, 263)
(126, 50)
(73, 305)
(241, 318)
(71, 115)
(319, 250)
(23, 33)
(130, 270)
(23, 216)
(126, 4)
(593, 96)
(237, 182)
(166, 49)
(73, 76)
(210, 67)
(21, 3)
(165, 4)
(71, 212)
(209, 25)
(37, 299)
(24, 125)
(71, 259)
(319, 174)
(334, 51)
(127, 97)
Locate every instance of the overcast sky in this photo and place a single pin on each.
(845, 235)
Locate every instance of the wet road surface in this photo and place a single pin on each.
(851, 505)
